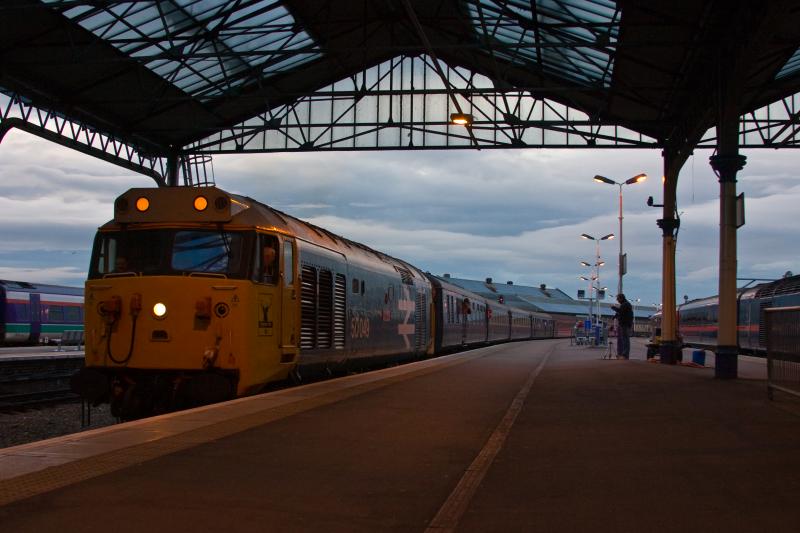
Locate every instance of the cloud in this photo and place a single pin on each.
(507, 214)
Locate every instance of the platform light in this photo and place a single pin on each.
(200, 203)
(636, 179)
(622, 258)
(461, 119)
(159, 310)
(142, 204)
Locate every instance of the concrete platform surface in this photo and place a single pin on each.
(535, 436)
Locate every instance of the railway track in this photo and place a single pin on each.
(34, 381)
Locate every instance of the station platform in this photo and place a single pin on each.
(533, 436)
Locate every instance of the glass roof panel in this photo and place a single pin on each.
(206, 48)
(572, 39)
(791, 67)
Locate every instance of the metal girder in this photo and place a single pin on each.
(774, 126)
(206, 49)
(402, 104)
(406, 103)
(16, 112)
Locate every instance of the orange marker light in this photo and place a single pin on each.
(200, 203)
(142, 204)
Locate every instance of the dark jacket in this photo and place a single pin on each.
(624, 313)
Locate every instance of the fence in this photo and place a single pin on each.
(782, 325)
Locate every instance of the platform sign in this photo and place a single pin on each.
(740, 211)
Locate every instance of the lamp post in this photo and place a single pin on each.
(623, 267)
(598, 263)
(591, 288)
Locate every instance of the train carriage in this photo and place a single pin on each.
(461, 316)
(521, 324)
(33, 313)
(499, 319)
(698, 320)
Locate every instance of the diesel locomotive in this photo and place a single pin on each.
(195, 295)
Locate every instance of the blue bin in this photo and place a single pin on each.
(699, 357)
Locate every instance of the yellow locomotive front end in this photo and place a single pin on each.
(189, 301)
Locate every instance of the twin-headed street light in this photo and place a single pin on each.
(623, 267)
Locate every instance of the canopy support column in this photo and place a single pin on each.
(669, 224)
(726, 163)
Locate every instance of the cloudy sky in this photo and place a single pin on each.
(506, 214)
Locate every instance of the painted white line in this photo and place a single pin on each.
(456, 504)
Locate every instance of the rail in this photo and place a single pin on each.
(31, 381)
(782, 325)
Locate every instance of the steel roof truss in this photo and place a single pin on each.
(405, 103)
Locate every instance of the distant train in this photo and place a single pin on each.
(698, 320)
(196, 296)
(33, 313)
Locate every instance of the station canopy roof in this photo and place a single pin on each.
(167, 73)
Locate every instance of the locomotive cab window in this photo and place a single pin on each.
(288, 263)
(266, 259)
(170, 252)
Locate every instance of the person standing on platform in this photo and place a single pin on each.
(624, 318)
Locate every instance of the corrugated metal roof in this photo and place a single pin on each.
(549, 300)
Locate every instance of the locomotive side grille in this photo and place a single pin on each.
(405, 275)
(325, 309)
(308, 307)
(762, 326)
(339, 295)
(420, 322)
(788, 285)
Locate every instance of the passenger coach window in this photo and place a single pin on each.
(56, 313)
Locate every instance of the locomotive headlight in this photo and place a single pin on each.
(159, 310)
(142, 204)
(200, 203)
